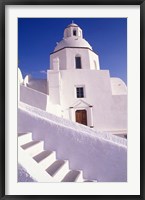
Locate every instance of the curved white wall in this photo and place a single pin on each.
(67, 58)
(118, 86)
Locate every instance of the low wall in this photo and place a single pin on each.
(33, 97)
(37, 99)
(100, 159)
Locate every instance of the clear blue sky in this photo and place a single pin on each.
(37, 38)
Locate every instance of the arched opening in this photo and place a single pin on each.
(74, 32)
(78, 62)
(81, 117)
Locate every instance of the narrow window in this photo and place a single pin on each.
(74, 32)
(80, 92)
(78, 62)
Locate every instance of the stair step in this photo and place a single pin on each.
(88, 181)
(24, 138)
(45, 158)
(58, 169)
(33, 148)
(73, 176)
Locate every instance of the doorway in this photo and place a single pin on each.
(81, 117)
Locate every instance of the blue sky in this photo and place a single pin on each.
(37, 38)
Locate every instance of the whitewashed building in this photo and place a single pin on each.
(77, 89)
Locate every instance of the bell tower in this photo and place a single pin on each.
(73, 51)
(73, 30)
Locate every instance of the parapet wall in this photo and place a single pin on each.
(38, 99)
(100, 159)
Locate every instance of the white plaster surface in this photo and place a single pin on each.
(33, 97)
(70, 40)
(39, 100)
(106, 96)
(118, 86)
(23, 175)
(101, 156)
(67, 58)
(39, 85)
(109, 111)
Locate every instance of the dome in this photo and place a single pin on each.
(72, 24)
(73, 37)
(72, 42)
(118, 86)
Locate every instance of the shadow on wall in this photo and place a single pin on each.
(100, 159)
(33, 97)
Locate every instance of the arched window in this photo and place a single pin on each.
(78, 62)
(74, 32)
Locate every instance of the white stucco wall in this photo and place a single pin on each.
(69, 31)
(67, 58)
(94, 60)
(118, 86)
(119, 112)
(53, 77)
(109, 112)
(33, 97)
(96, 85)
(38, 100)
(61, 55)
(106, 95)
(39, 85)
(100, 158)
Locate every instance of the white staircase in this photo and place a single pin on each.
(42, 164)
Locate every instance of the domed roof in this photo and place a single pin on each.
(72, 42)
(72, 24)
(72, 39)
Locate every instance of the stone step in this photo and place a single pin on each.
(58, 169)
(33, 148)
(32, 167)
(89, 181)
(45, 158)
(24, 138)
(73, 176)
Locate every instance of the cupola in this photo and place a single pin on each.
(73, 30)
(73, 52)
(73, 37)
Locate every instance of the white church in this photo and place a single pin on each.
(78, 90)
(77, 106)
